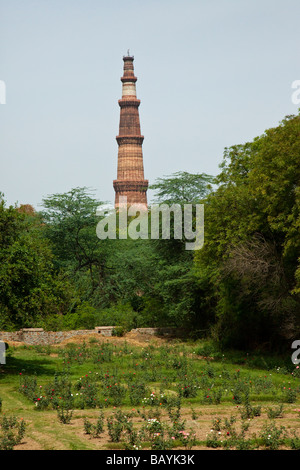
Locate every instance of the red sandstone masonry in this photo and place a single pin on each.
(130, 153)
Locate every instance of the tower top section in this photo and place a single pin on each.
(128, 79)
(128, 56)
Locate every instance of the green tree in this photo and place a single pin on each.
(182, 187)
(29, 286)
(252, 242)
(175, 298)
(70, 225)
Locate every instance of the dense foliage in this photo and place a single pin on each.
(249, 267)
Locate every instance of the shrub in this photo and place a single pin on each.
(99, 426)
(102, 353)
(177, 424)
(57, 392)
(121, 315)
(212, 440)
(42, 403)
(137, 392)
(64, 415)
(133, 440)
(84, 318)
(206, 349)
(217, 396)
(118, 331)
(290, 395)
(87, 426)
(272, 436)
(12, 432)
(158, 442)
(154, 430)
(154, 427)
(274, 413)
(249, 411)
(188, 388)
(28, 386)
(224, 434)
(116, 393)
(94, 429)
(117, 424)
(188, 439)
(295, 442)
(155, 399)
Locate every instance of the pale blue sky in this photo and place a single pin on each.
(211, 74)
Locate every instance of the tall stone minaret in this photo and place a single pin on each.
(130, 180)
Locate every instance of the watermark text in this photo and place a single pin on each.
(180, 222)
(2, 92)
(296, 94)
(2, 352)
(296, 354)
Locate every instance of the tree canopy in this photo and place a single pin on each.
(252, 245)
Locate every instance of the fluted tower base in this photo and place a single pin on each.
(134, 191)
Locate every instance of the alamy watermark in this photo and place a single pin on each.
(2, 92)
(296, 354)
(188, 223)
(2, 352)
(296, 93)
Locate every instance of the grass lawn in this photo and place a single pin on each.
(148, 393)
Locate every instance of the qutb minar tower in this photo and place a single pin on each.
(130, 180)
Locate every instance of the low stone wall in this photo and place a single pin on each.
(39, 336)
(162, 331)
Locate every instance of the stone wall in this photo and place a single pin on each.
(39, 336)
(163, 331)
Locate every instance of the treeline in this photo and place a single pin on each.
(242, 288)
(249, 269)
